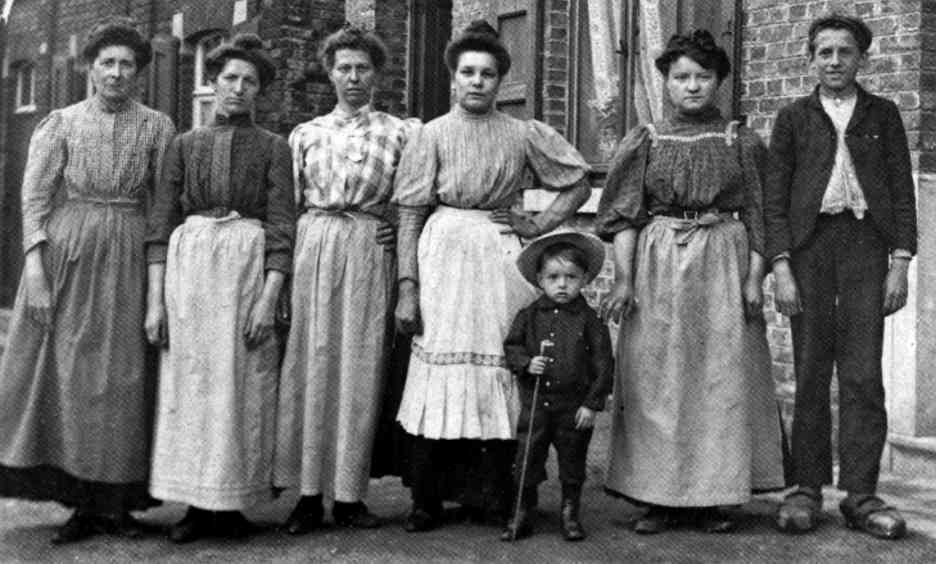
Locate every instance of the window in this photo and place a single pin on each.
(25, 88)
(203, 101)
(597, 110)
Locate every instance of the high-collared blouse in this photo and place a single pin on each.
(231, 165)
(92, 150)
(345, 161)
(688, 162)
(478, 161)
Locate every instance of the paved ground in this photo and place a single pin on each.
(25, 529)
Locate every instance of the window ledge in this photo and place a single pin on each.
(537, 200)
(31, 108)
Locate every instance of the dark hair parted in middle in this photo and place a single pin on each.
(478, 36)
(698, 45)
(246, 47)
(357, 39)
(120, 31)
(858, 29)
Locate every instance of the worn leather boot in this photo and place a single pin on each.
(569, 523)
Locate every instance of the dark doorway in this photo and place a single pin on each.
(429, 86)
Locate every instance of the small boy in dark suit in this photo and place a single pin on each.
(561, 353)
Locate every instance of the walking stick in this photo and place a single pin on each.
(545, 345)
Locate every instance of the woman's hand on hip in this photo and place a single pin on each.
(408, 319)
(38, 293)
(619, 304)
(753, 299)
(522, 223)
(156, 325)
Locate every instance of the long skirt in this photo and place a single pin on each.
(694, 418)
(458, 386)
(76, 401)
(215, 422)
(332, 378)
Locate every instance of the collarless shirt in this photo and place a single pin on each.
(844, 191)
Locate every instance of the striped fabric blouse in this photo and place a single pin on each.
(91, 151)
(466, 160)
(345, 161)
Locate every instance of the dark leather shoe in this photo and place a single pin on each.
(420, 520)
(569, 523)
(354, 515)
(123, 525)
(233, 525)
(714, 520)
(518, 527)
(305, 517)
(193, 526)
(78, 527)
(800, 510)
(870, 514)
(656, 520)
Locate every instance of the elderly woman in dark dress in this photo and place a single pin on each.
(73, 385)
(693, 398)
(459, 284)
(219, 245)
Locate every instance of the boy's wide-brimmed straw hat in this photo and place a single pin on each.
(591, 245)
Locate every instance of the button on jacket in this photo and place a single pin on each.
(802, 155)
(582, 367)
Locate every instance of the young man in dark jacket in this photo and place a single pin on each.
(840, 215)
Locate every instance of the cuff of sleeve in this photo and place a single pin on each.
(278, 260)
(901, 254)
(785, 255)
(156, 253)
(595, 404)
(33, 239)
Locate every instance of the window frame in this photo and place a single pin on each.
(201, 90)
(20, 105)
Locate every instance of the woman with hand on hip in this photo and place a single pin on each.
(219, 247)
(459, 284)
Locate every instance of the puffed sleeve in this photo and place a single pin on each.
(753, 163)
(623, 205)
(166, 212)
(415, 181)
(554, 161)
(295, 148)
(280, 222)
(45, 164)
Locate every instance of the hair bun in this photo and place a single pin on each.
(481, 27)
(247, 41)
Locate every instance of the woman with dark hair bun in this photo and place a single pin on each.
(75, 393)
(219, 246)
(695, 425)
(458, 281)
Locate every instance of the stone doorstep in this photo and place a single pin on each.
(911, 456)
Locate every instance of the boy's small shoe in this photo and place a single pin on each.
(569, 523)
(518, 527)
